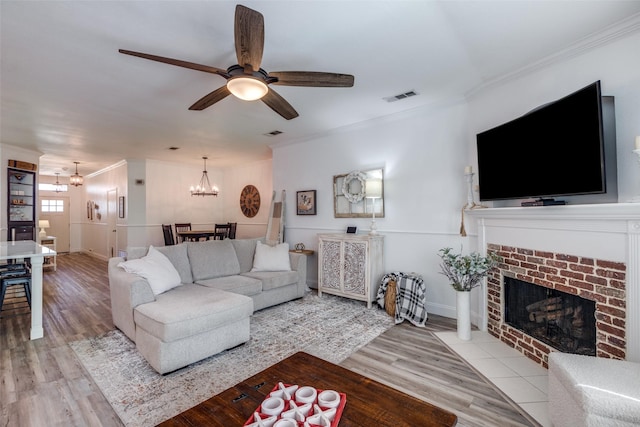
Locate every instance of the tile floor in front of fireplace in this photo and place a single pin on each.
(520, 378)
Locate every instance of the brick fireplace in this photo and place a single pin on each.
(591, 251)
(601, 281)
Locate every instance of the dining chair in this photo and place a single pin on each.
(232, 230)
(222, 231)
(184, 226)
(168, 235)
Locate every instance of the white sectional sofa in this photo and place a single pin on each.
(220, 286)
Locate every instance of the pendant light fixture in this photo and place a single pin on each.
(204, 188)
(75, 179)
(58, 185)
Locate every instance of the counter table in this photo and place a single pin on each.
(35, 253)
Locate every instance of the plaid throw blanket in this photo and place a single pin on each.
(410, 297)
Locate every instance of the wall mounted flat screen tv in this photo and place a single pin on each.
(555, 150)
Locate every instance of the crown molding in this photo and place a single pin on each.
(609, 35)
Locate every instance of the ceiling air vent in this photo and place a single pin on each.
(400, 96)
(273, 133)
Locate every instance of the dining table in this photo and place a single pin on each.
(195, 235)
(35, 253)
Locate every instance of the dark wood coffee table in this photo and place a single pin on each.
(369, 403)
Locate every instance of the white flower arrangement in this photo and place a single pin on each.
(465, 271)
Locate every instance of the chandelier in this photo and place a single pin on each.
(75, 179)
(58, 186)
(204, 188)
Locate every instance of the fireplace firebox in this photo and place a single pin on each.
(563, 321)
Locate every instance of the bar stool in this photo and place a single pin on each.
(14, 275)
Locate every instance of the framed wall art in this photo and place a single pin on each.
(354, 195)
(306, 202)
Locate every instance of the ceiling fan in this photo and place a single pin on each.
(246, 80)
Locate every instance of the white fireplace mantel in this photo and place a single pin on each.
(602, 231)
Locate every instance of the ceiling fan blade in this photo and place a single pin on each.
(249, 37)
(312, 78)
(211, 98)
(177, 62)
(278, 104)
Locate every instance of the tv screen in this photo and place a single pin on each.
(555, 150)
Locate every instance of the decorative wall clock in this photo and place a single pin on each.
(250, 201)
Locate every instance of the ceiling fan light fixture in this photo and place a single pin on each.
(247, 88)
(245, 79)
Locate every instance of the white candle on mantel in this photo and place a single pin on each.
(638, 142)
(468, 170)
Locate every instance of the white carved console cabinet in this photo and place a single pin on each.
(350, 265)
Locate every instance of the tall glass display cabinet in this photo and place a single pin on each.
(21, 204)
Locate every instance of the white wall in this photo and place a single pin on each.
(94, 232)
(424, 152)
(135, 178)
(157, 193)
(258, 174)
(168, 199)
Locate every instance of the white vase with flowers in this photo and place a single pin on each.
(465, 272)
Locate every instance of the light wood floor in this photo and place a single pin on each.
(414, 361)
(43, 384)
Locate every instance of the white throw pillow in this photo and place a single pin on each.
(271, 258)
(156, 268)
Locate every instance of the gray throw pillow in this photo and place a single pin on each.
(245, 250)
(212, 258)
(177, 254)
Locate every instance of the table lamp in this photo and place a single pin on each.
(373, 190)
(43, 223)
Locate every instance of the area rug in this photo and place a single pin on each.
(328, 327)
